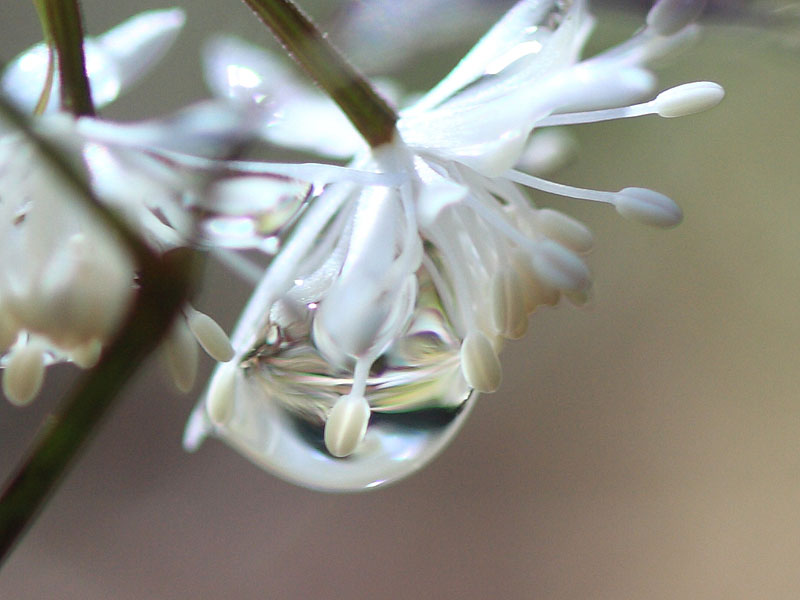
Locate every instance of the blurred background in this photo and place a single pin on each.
(646, 446)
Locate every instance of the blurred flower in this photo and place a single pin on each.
(66, 282)
(386, 305)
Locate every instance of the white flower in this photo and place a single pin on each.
(386, 305)
(66, 282)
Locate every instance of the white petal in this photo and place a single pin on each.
(518, 37)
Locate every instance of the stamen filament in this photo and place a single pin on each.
(559, 189)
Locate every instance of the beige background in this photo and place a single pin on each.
(645, 447)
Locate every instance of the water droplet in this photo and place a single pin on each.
(245, 212)
(285, 391)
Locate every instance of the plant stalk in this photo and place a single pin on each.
(312, 50)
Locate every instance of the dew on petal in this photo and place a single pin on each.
(286, 391)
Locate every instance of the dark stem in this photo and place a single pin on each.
(63, 24)
(368, 112)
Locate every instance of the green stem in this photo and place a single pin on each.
(61, 22)
(368, 112)
(163, 287)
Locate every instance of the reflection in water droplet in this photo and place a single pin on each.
(251, 212)
(418, 397)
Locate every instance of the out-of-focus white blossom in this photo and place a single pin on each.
(65, 281)
(386, 305)
(115, 60)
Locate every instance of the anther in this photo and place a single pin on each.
(346, 425)
(648, 207)
(667, 17)
(479, 363)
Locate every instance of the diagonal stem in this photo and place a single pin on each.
(312, 50)
(63, 30)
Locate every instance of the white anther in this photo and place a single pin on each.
(667, 17)
(479, 363)
(209, 334)
(509, 315)
(535, 292)
(221, 395)
(565, 230)
(346, 425)
(688, 99)
(24, 373)
(180, 353)
(648, 207)
(559, 267)
(86, 355)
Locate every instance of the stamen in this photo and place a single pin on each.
(180, 354)
(648, 207)
(667, 17)
(688, 99)
(565, 230)
(559, 267)
(559, 189)
(87, 355)
(209, 334)
(221, 395)
(346, 425)
(638, 204)
(24, 373)
(509, 313)
(479, 363)
(318, 174)
(535, 292)
(679, 101)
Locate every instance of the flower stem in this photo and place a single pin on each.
(164, 284)
(368, 112)
(63, 31)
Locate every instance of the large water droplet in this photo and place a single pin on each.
(242, 212)
(285, 389)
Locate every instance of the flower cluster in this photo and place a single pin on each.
(66, 282)
(392, 282)
(386, 308)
